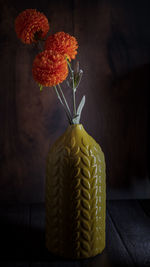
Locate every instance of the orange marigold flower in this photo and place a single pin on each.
(49, 68)
(31, 25)
(62, 43)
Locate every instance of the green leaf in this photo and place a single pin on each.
(41, 86)
(77, 78)
(80, 107)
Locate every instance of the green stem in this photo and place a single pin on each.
(74, 89)
(66, 111)
(64, 99)
(74, 101)
(69, 65)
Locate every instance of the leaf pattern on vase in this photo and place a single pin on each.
(75, 194)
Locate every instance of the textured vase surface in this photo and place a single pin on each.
(75, 195)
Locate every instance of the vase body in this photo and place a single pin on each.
(75, 196)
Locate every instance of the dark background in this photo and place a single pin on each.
(114, 53)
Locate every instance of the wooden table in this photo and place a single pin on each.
(127, 241)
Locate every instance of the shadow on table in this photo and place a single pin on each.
(20, 241)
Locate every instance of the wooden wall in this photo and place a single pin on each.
(114, 53)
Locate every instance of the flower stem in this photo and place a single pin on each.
(73, 90)
(65, 101)
(66, 111)
(74, 103)
(69, 65)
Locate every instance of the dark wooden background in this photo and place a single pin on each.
(114, 53)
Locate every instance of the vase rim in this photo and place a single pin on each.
(77, 125)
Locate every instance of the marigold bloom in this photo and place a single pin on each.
(62, 43)
(31, 25)
(49, 68)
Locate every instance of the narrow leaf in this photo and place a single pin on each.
(78, 77)
(41, 86)
(80, 107)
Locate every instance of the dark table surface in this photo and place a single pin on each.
(22, 236)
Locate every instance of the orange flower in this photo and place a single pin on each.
(49, 68)
(62, 43)
(31, 25)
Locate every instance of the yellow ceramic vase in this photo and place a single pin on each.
(75, 196)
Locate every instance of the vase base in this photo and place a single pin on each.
(73, 257)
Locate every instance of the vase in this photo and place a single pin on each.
(75, 195)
